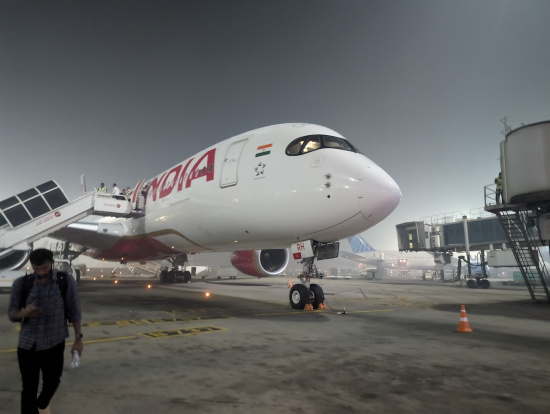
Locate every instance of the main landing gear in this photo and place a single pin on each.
(175, 276)
(306, 293)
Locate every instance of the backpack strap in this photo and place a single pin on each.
(62, 283)
(26, 286)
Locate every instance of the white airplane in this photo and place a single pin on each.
(357, 249)
(255, 194)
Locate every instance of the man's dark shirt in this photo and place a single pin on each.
(50, 327)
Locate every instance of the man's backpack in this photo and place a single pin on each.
(28, 282)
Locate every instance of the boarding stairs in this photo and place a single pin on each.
(524, 244)
(40, 211)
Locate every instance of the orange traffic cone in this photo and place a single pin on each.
(289, 284)
(463, 326)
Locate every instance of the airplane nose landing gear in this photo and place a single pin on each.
(306, 293)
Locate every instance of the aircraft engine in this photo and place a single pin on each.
(261, 263)
(14, 260)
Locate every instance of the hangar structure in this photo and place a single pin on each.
(520, 203)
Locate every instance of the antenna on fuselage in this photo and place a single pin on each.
(82, 184)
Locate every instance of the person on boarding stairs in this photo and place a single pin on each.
(116, 190)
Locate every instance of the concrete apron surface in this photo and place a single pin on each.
(387, 346)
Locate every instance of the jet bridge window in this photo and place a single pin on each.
(314, 142)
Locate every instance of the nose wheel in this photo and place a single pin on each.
(302, 294)
(299, 296)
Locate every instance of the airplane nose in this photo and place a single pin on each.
(378, 193)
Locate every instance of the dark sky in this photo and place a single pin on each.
(122, 90)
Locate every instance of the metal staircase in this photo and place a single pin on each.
(38, 212)
(524, 242)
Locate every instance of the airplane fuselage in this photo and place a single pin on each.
(254, 191)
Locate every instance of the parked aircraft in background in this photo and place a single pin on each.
(399, 263)
(255, 194)
(357, 249)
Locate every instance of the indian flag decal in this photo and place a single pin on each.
(264, 150)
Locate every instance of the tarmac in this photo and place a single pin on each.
(387, 346)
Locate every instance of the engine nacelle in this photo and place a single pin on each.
(14, 260)
(261, 263)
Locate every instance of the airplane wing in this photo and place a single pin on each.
(92, 235)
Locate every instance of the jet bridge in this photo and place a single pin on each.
(459, 234)
(35, 213)
(443, 235)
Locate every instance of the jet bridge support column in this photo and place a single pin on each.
(467, 242)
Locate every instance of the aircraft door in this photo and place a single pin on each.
(138, 200)
(230, 167)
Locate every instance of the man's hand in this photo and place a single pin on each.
(31, 310)
(77, 346)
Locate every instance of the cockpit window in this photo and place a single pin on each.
(314, 142)
(295, 147)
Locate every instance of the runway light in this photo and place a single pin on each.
(116, 281)
(207, 294)
(149, 286)
(95, 278)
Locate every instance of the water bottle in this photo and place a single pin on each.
(75, 363)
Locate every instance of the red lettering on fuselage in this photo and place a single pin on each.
(155, 184)
(167, 189)
(165, 184)
(182, 175)
(203, 169)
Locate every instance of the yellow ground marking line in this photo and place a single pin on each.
(89, 341)
(216, 310)
(8, 351)
(139, 322)
(156, 335)
(182, 332)
(192, 310)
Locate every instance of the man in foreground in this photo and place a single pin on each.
(43, 302)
